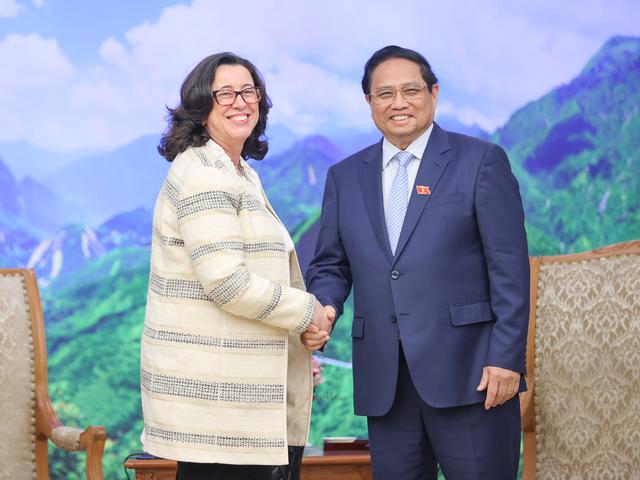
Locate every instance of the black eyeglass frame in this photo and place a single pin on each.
(214, 94)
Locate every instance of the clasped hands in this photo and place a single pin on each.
(319, 330)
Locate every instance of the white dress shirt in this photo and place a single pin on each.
(389, 168)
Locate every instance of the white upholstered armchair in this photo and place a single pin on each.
(581, 415)
(28, 419)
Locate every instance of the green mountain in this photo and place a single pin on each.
(576, 154)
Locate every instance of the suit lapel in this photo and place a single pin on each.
(433, 163)
(371, 185)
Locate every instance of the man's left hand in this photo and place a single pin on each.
(501, 385)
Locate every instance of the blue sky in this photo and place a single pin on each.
(95, 75)
(79, 26)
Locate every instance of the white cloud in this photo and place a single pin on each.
(38, 3)
(34, 62)
(307, 97)
(491, 57)
(470, 116)
(10, 8)
(35, 93)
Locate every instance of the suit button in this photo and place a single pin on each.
(393, 319)
(395, 274)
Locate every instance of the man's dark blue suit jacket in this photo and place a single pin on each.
(456, 293)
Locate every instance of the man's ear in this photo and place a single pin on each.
(367, 98)
(435, 89)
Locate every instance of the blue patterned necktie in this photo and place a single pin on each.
(398, 199)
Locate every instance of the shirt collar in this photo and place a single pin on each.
(416, 148)
(227, 162)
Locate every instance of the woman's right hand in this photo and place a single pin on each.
(317, 334)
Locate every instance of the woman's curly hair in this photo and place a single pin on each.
(186, 121)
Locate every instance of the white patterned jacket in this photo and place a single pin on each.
(224, 376)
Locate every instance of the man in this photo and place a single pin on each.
(428, 228)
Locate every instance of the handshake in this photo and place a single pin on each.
(318, 331)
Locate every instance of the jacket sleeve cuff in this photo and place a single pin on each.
(308, 316)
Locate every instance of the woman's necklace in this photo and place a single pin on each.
(241, 171)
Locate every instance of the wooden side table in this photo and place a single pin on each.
(153, 469)
(344, 465)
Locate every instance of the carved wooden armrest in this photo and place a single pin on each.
(91, 439)
(73, 439)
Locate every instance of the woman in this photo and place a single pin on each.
(226, 382)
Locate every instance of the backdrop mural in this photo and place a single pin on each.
(82, 103)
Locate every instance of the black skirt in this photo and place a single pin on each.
(221, 471)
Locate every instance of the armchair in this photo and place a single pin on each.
(28, 418)
(581, 414)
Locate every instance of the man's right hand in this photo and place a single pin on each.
(318, 331)
(331, 313)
